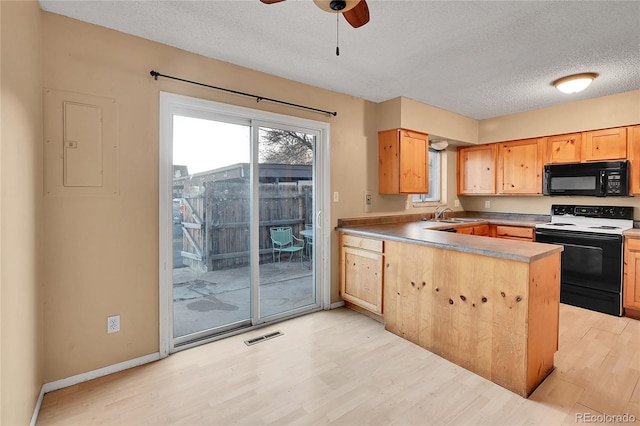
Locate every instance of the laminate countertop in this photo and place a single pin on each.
(632, 233)
(428, 233)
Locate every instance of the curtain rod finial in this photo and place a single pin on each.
(154, 74)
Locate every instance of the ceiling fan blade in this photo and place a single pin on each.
(359, 15)
(271, 1)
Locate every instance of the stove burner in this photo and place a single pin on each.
(562, 224)
(604, 227)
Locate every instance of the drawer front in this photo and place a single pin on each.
(363, 243)
(465, 230)
(514, 232)
(633, 243)
(482, 230)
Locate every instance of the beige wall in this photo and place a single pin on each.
(622, 109)
(609, 111)
(21, 359)
(101, 252)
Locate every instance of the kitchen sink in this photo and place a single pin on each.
(456, 220)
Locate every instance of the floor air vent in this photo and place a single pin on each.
(263, 338)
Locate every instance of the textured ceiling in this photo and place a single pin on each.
(480, 59)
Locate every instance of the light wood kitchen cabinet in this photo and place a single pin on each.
(495, 317)
(407, 292)
(520, 166)
(634, 158)
(477, 169)
(632, 273)
(564, 148)
(522, 233)
(361, 271)
(481, 230)
(606, 144)
(403, 161)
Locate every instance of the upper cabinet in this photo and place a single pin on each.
(606, 144)
(564, 148)
(403, 159)
(520, 166)
(477, 169)
(634, 158)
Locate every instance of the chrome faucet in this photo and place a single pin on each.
(440, 214)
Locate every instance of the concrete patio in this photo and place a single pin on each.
(204, 300)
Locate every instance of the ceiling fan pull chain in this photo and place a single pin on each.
(337, 35)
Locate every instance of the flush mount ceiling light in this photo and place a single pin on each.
(438, 145)
(574, 83)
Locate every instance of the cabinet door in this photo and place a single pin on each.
(414, 160)
(564, 148)
(634, 158)
(632, 273)
(466, 230)
(607, 144)
(481, 230)
(520, 167)
(403, 161)
(361, 280)
(408, 284)
(477, 170)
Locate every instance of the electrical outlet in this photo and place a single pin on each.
(487, 204)
(367, 202)
(336, 197)
(113, 324)
(456, 203)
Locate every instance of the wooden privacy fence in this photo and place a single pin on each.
(216, 223)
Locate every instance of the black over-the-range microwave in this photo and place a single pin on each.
(599, 179)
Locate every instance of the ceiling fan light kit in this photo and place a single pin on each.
(336, 6)
(574, 83)
(356, 12)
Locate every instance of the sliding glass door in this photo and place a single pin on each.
(286, 209)
(243, 238)
(211, 211)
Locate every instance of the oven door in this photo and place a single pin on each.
(591, 273)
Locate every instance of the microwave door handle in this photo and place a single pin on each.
(603, 183)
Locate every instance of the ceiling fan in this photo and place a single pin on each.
(356, 12)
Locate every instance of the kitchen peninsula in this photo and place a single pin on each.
(489, 305)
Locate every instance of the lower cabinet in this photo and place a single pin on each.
(361, 271)
(522, 233)
(481, 230)
(495, 317)
(632, 273)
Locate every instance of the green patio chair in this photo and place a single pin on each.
(283, 240)
(308, 240)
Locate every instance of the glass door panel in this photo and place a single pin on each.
(286, 220)
(211, 223)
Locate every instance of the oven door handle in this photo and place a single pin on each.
(578, 235)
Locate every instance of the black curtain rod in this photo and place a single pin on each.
(156, 74)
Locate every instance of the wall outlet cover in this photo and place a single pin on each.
(113, 324)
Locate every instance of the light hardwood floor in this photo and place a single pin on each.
(341, 367)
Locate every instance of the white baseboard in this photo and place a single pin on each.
(36, 410)
(90, 375)
(336, 305)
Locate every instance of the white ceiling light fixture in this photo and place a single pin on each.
(575, 83)
(439, 145)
